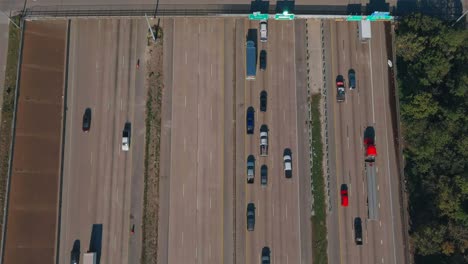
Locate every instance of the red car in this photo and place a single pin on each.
(344, 195)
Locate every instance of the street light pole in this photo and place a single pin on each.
(13, 22)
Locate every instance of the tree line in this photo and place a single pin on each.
(432, 60)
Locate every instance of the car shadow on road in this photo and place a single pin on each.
(95, 243)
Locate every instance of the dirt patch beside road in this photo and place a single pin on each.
(31, 234)
(154, 82)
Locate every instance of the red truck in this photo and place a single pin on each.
(369, 143)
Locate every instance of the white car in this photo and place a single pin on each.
(263, 31)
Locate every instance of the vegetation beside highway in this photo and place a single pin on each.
(319, 224)
(154, 83)
(8, 109)
(432, 59)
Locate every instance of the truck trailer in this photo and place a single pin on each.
(365, 30)
(89, 258)
(251, 60)
(370, 154)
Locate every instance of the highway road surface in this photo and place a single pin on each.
(203, 215)
(102, 185)
(368, 105)
(277, 205)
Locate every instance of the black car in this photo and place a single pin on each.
(264, 175)
(266, 255)
(250, 217)
(87, 119)
(352, 79)
(263, 101)
(250, 169)
(263, 60)
(358, 231)
(250, 120)
(75, 253)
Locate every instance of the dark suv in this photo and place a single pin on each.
(250, 120)
(263, 101)
(264, 175)
(266, 255)
(263, 60)
(352, 79)
(87, 119)
(250, 217)
(358, 231)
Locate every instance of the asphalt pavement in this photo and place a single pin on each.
(367, 105)
(102, 185)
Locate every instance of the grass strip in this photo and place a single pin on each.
(8, 107)
(152, 149)
(319, 225)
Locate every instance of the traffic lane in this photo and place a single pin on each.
(340, 166)
(389, 196)
(228, 60)
(183, 197)
(165, 149)
(288, 209)
(74, 216)
(302, 139)
(274, 162)
(380, 235)
(355, 159)
(211, 136)
(138, 108)
(93, 150)
(240, 159)
(119, 205)
(333, 215)
(292, 210)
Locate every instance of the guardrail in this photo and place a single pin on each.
(171, 10)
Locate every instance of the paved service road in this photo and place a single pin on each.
(368, 105)
(102, 185)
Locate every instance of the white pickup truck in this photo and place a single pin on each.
(126, 137)
(263, 31)
(264, 140)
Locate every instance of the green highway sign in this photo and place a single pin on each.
(284, 16)
(354, 18)
(258, 16)
(384, 17)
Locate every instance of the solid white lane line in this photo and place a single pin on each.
(286, 211)
(372, 81)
